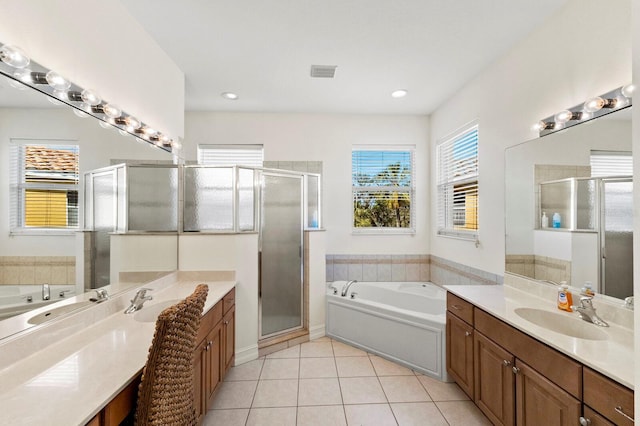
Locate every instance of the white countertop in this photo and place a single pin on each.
(612, 357)
(70, 381)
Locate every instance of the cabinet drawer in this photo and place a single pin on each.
(604, 395)
(460, 308)
(594, 418)
(560, 369)
(229, 300)
(209, 320)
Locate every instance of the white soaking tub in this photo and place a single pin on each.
(18, 299)
(402, 321)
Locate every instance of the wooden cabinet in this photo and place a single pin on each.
(517, 380)
(611, 400)
(460, 352)
(120, 409)
(229, 337)
(494, 381)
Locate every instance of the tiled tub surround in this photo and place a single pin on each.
(37, 270)
(612, 357)
(410, 267)
(539, 267)
(54, 367)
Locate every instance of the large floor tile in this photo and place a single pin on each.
(235, 395)
(314, 368)
(292, 352)
(340, 349)
(370, 415)
(247, 371)
(316, 350)
(356, 366)
(286, 368)
(319, 392)
(384, 367)
(441, 391)
(226, 417)
(272, 417)
(418, 414)
(321, 416)
(462, 413)
(403, 389)
(276, 393)
(361, 390)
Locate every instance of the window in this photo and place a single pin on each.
(231, 155)
(611, 163)
(458, 184)
(44, 186)
(382, 187)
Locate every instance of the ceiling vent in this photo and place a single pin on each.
(323, 71)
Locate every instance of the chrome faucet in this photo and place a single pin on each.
(588, 312)
(138, 300)
(628, 302)
(343, 293)
(46, 292)
(101, 295)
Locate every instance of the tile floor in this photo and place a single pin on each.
(325, 382)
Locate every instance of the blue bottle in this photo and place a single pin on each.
(556, 220)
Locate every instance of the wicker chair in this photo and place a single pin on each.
(165, 395)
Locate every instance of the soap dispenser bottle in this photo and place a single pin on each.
(556, 220)
(544, 221)
(565, 300)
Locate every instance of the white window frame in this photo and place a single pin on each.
(411, 190)
(231, 155)
(18, 186)
(611, 163)
(449, 175)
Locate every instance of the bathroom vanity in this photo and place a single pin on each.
(553, 373)
(103, 345)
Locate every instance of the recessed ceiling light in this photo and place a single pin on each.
(229, 95)
(401, 93)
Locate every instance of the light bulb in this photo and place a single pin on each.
(229, 95)
(165, 139)
(401, 93)
(176, 144)
(149, 131)
(61, 94)
(14, 56)
(57, 81)
(627, 91)
(24, 76)
(563, 116)
(132, 122)
(90, 97)
(594, 104)
(543, 125)
(111, 111)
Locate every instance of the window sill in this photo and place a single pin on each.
(382, 231)
(471, 237)
(42, 232)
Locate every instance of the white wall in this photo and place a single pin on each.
(636, 199)
(97, 147)
(571, 57)
(327, 138)
(98, 45)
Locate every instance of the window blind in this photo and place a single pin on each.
(231, 155)
(457, 161)
(611, 163)
(383, 187)
(44, 181)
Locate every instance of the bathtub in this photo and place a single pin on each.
(13, 298)
(402, 321)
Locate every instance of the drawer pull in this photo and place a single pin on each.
(467, 333)
(457, 307)
(506, 362)
(622, 413)
(584, 421)
(515, 369)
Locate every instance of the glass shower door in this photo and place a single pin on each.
(617, 237)
(281, 239)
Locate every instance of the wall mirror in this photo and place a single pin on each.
(30, 259)
(582, 176)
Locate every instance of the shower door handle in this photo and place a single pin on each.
(259, 274)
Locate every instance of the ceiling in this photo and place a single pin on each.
(263, 49)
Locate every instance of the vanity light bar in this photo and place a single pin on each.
(17, 66)
(614, 100)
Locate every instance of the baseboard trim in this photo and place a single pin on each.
(246, 354)
(317, 331)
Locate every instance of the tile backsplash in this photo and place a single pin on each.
(408, 267)
(37, 270)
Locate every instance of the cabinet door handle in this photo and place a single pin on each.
(584, 421)
(515, 369)
(506, 362)
(622, 413)
(467, 333)
(225, 322)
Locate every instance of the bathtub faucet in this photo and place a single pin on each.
(46, 292)
(346, 287)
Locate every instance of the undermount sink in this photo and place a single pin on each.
(56, 312)
(150, 313)
(562, 323)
